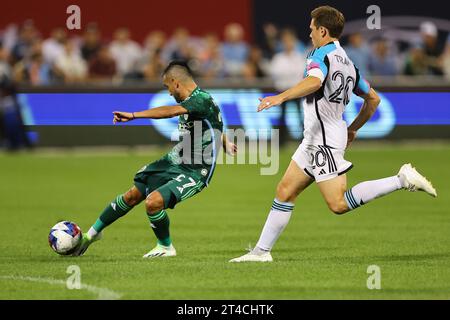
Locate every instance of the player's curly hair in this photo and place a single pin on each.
(330, 18)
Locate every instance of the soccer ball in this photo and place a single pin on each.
(64, 237)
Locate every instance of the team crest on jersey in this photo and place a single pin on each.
(185, 116)
(204, 172)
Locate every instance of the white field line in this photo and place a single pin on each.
(101, 293)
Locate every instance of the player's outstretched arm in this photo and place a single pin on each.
(371, 102)
(305, 87)
(155, 113)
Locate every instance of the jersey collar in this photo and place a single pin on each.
(193, 93)
(336, 43)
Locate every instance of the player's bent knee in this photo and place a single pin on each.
(338, 207)
(154, 203)
(132, 198)
(129, 199)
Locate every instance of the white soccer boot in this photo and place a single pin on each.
(253, 256)
(413, 181)
(161, 251)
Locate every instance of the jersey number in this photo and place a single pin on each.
(343, 86)
(186, 185)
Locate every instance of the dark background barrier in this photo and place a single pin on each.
(419, 108)
(85, 118)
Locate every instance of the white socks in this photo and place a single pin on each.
(92, 232)
(358, 195)
(276, 222)
(366, 191)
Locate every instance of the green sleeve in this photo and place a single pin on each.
(196, 106)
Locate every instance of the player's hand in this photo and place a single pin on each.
(230, 148)
(351, 135)
(120, 116)
(269, 102)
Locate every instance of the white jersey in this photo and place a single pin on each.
(323, 121)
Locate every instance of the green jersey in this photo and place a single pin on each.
(200, 133)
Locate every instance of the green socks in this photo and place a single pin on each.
(111, 213)
(160, 224)
(160, 221)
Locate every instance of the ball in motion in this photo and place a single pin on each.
(64, 237)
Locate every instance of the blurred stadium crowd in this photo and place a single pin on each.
(26, 57)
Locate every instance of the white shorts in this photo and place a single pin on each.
(321, 162)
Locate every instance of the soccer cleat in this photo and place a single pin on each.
(86, 241)
(252, 257)
(413, 181)
(161, 251)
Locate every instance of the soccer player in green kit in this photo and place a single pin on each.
(181, 173)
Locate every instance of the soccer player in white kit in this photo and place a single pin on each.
(330, 79)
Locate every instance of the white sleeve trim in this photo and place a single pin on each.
(316, 72)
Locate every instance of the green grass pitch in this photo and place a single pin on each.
(319, 256)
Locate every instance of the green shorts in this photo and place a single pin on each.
(174, 182)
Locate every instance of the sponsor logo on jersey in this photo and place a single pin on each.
(186, 125)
